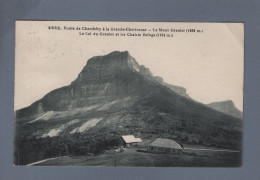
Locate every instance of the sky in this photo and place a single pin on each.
(208, 64)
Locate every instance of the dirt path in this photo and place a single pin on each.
(223, 150)
(38, 162)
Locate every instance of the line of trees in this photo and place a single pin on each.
(28, 150)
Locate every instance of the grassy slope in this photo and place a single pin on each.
(132, 158)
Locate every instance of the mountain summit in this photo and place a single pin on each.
(112, 96)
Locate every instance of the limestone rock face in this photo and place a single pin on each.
(114, 75)
(177, 89)
(226, 107)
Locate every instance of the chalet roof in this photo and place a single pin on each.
(138, 139)
(166, 143)
(131, 139)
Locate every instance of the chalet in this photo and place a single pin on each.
(130, 140)
(161, 145)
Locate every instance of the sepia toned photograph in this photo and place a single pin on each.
(131, 94)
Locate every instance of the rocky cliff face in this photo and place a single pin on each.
(177, 89)
(114, 75)
(226, 107)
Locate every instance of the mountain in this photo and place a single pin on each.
(226, 107)
(104, 77)
(113, 96)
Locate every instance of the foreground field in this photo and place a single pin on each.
(132, 158)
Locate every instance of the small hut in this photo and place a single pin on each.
(130, 140)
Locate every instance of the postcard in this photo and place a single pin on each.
(134, 94)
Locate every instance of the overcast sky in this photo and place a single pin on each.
(209, 64)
